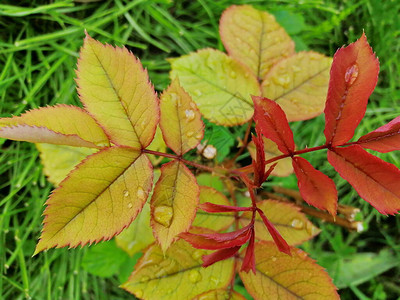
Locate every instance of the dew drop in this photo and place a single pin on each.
(197, 254)
(283, 80)
(197, 93)
(144, 279)
(189, 133)
(298, 224)
(138, 293)
(296, 69)
(351, 74)
(163, 215)
(273, 258)
(210, 152)
(126, 193)
(130, 205)
(199, 135)
(233, 74)
(189, 114)
(311, 229)
(193, 105)
(246, 75)
(174, 97)
(140, 193)
(194, 276)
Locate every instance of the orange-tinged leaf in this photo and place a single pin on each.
(353, 77)
(116, 91)
(214, 221)
(157, 144)
(174, 203)
(293, 225)
(60, 124)
(384, 139)
(375, 180)
(138, 235)
(272, 123)
(220, 295)
(299, 85)
(180, 120)
(220, 86)
(99, 198)
(59, 160)
(315, 187)
(177, 274)
(280, 276)
(283, 167)
(254, 38)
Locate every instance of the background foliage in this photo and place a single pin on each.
(39, 44)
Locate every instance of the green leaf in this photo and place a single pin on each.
(292, 22)
(221, 138)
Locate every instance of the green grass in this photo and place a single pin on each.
(39, 46)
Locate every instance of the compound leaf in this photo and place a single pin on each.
(384, 139)
(60, 124)
(157, 275)
(283, 166)
(174, 203)
(354, 74)
(254, 38)
(116, 91)
(280, 276)
(59, 160)
(180, 120)
(272, 123)
(98, 199)
(299, 84)
(292, 224)
(220, 86)
(315, 187)
(214, 221)
(375, 180)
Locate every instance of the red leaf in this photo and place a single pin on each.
(384, 139)
(375, 180)
(272, 123)
(278, 239)
(271, 168)
(353, 77)
(316, 188)
(222, 254)
(249, 262)
(259, 163)
(217, 240)
(216, 208)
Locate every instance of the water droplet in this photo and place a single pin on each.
(197, 254)
(194, 276)
(189, 133)
(163, 215)
(298, 224)
(351, 74)
(210, 152)
(140, 193)
(193, 105)
(296, 68)
(283, 80)
(246, 75)
(138, 293)
(273, 258)
(197, 93)
(189, 114)
(144, 279)
(199, 135)
(311, 229)
(130, 205)
(174, 97)
(233, 74)
(126, 193)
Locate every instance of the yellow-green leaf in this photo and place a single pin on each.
(180, 120)
(138, 235)
(254, 38)
(177, 274)
(299, 84)
(214, 221)
(58, 160)
(220, 85)
(116, 91)
(99, 198)
(174, 203)
(159, 145)
(292, 224)
(222, 294)
(283, 166)
(281, 276)
(60, 124)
